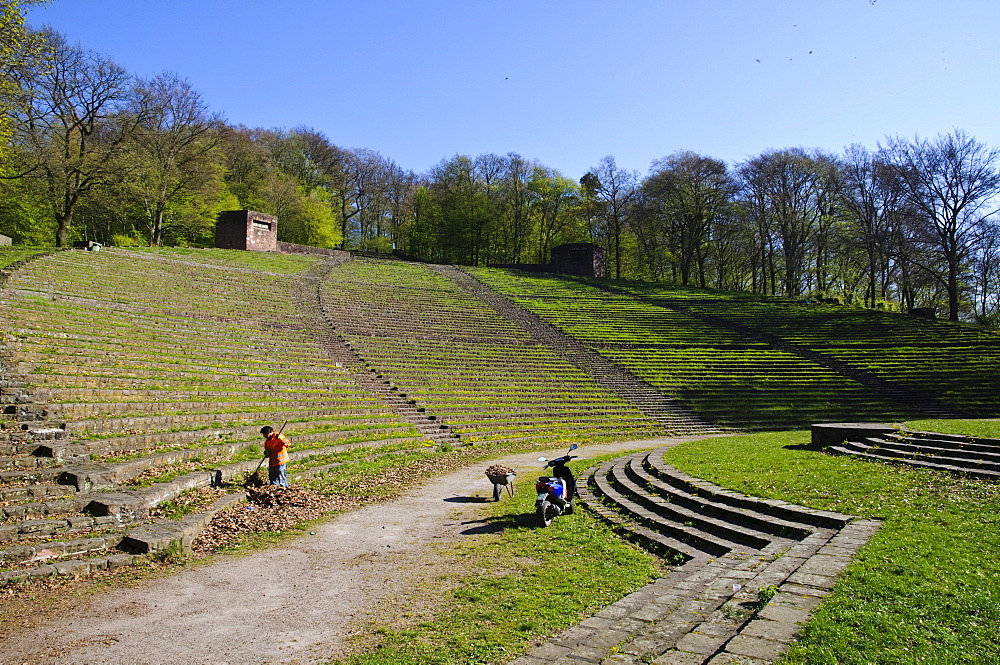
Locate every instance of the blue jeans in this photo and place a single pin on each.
(276, 475)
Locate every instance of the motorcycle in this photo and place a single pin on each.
(555, 492)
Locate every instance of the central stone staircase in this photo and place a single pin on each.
(650, 401)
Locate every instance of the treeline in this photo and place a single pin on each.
(93, 152)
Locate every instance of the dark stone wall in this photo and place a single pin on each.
(584, 259)
(292, 248)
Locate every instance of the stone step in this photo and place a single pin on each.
(931, 451)
(34, 492)
(686, 533)
(650, 539)
(707, 609)
(898, 451)
(628, 483)
(46, 552)
(67, 505)
(770, 507)
(857, 451)
(963, 448)
(743, 516)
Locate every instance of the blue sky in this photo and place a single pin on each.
(567, 83)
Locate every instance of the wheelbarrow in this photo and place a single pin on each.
(500, 481)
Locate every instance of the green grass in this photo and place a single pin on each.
(511, 584)
(983, 428)
(924, 589)
(9, 255)
(288, 264)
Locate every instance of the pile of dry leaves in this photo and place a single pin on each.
(268, 508)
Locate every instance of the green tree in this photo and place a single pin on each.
(73, 122)
(172, 150)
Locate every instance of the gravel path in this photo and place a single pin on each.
(289, 604)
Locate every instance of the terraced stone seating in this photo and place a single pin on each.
(452, 354)
(967, 456)
(130, 378)
(728, 378)
(750, 570)
(955, 364)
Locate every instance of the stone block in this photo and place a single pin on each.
(13, 576)
(122, 507)
(72, 567)
(679, 658)
(119, 560)
(38, 526)
(50, 550)
(17, 554)
(755, 647)
(833, 434)
(154, 537)
(549, 652)
(783, 613)
(87, 479)
(98, 563)
(818, 581)
(701, 643)
(45, 570)
(85, 545)
(777, 631)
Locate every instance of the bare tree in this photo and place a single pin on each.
(615, 191)
(952, 181)
(688, 194)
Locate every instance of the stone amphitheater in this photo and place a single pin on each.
(131, 377)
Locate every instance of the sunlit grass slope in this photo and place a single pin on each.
(454, 355)
(729, 378)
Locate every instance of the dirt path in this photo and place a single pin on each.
(289, 604)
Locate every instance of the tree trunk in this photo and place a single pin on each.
(64, 223)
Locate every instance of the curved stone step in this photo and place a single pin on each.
(983, 454)
(766, 524)
(907, 453)
(705, 542)
(707, 610)
(867, 453)
(771, 507)
(650, 539)
(629, 482)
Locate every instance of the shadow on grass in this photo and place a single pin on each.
(499, 523)
(801, 446)
(466, 499)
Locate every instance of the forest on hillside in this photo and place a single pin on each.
(91, 151)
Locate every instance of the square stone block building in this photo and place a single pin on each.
(584, 259)
(246, 229)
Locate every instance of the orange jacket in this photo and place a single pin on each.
(276, 449)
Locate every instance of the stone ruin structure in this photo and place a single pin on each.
(580, 258)
(246, 229)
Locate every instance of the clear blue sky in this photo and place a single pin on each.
(569, 82)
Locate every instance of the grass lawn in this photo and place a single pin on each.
(509, 585)
(926, 588)
(9, 255)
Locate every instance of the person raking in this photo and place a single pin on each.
(276, 448)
